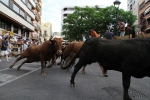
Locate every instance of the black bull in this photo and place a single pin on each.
(130, 56)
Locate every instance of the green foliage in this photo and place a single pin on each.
(83, 19)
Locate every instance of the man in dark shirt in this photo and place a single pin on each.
(131, 32)
(108, 35)
(4, 49)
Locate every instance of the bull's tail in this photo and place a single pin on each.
(71, 63)
(15, 55)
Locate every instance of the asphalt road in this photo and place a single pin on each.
(28, 84)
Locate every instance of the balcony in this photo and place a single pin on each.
(37, 15)
(45, 35)
(38, 7)
(37, 26)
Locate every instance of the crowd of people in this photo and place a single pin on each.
(122, 29)
(6, 45)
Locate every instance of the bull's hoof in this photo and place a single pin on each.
(127, 98)
(58, 63)
(105, 75)
(43, 74)
(49, 66)
(18, 68)
(72, 85)
(11, 66)
(63, 68)
(83, 72)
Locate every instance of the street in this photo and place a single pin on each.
(28, 84)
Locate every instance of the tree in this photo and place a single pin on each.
(84, 19)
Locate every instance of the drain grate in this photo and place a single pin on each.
(117, 93)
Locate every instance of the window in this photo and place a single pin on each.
(2, 25)
(5, 2)
(29, 19)
(27, 34)
(24, 1)
(15, 8)
(29, 6)
(22, 13)
(8, 26)
(15, 29)
(45, 33)
(142, 5)
(5, 25)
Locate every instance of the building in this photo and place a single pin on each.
(144, 7)
(22, 17)
(56, 33)
(46, 31)
(70, 9)
(133, 5)
(37, 21)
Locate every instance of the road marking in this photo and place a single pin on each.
(4, 69)
(5, 78)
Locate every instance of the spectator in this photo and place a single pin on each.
(142, 25)
(121, 28)
(109, 35)
(25, 46)
(1, 37)
(83, 38)
(4, 49)
(9, 49)
(131, 32)
(33, 42)
(93, 33)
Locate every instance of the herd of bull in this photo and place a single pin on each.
(130, 56)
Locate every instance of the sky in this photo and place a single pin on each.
(51, 9)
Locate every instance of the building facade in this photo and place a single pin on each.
(20, 17)
(133, 5)
(46, 31)
(144, 7)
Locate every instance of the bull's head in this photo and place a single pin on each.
(57, 45)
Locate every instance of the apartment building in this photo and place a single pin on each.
(133, 5)
(144, 7)
(46, 31)
(22, 17)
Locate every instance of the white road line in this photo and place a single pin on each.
(6, 77)
(15, 78)
(4, 69)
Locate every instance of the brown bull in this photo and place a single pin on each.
(70, 51)
(43, 52)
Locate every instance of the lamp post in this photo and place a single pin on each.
(116, 4)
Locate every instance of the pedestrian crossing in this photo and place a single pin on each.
(7, 78)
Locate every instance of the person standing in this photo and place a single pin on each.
(142, 25)
(25, 46)
(33, 42)
(93, 33)
(83, 38)
(131, 32)
(109, 35)
(4, 48)
(121, 28)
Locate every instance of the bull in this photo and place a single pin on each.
(43, 52)
(70, 51)
(130, 56)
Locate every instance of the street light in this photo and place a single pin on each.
(116, 4)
